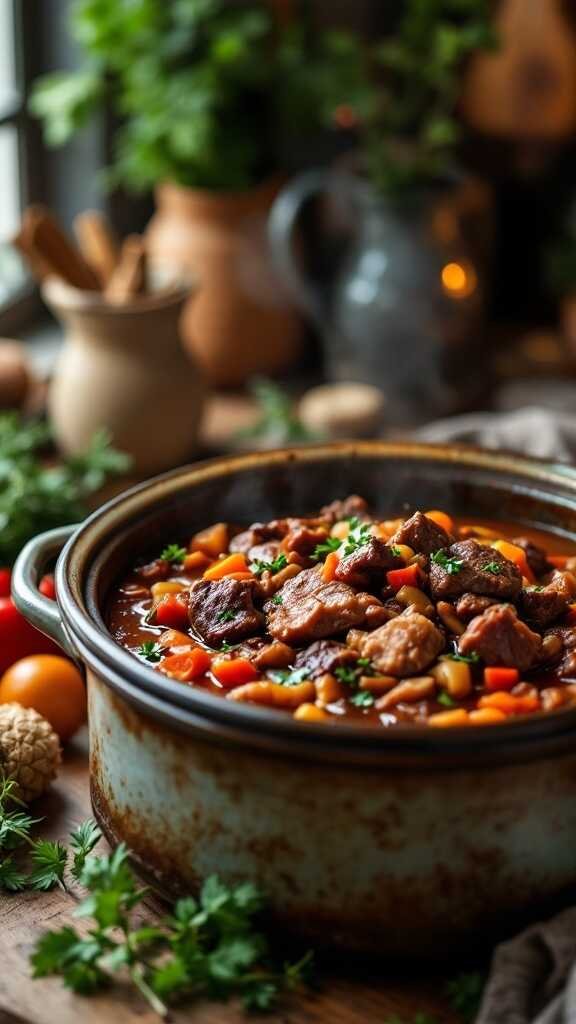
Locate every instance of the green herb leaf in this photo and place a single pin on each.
(470, 659)
(225, 647)
(150, 650)
(289, 677)
(347, 674)
(277, 599)
(11, 878)
(493, 568)
(226, 616)
(174, 554)
(83, 840)
(359, 535)
(258, 567)
(362, 699)
(446, 700)
(49, 859)
(395, 551)
(450, 565)
(325, 548)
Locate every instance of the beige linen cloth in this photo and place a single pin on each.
(532, 977)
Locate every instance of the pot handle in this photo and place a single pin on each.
(41, 611)
(282, 223)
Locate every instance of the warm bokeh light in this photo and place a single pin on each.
(459, 280)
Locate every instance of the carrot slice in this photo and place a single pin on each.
(517, 555)
(187, 665)
(441, 519)
(175, 638)
(234, 671)
(487, 716)
(508, 703)
(224, 566)
(500, 678)
(449, 719)
(213, 541)
(196, 561)
(172, 612)
(407, 577)
(329, 567)
(240, 576)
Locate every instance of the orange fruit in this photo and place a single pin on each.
(52, 686)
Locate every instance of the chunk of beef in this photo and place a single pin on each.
(368, 565)
(303, 540)
(476, 570)
(423, 535)
(259, 533)
(265, 653)
(224, 610)
(324, 656)
(501, 638)
(542, 605)
(535, 556)
(154, 572)
(405, 646)
(470, 605)
(311, 609)
(337, 510)
(566, 667)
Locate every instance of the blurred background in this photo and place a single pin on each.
(237, 224)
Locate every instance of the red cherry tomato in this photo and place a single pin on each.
(5, 577)
(47, 586)
(18, 638)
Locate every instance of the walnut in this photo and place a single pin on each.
(29, 749)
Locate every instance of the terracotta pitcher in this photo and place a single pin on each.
(125, 368)
(242, 322)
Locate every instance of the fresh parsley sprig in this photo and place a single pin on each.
(207, 947)
(289, 677)
(228, 615)
(321, 551)
(493, 568)
(358, 535)
(258, 566)
(450, 565)
(150, 650)
(173, 553)
(470, 659)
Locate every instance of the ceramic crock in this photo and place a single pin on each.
(409, 841)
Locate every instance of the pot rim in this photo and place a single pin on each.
(82, 560)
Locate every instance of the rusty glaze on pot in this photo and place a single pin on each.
(410, 841)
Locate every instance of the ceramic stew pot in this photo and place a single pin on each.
(409, 841)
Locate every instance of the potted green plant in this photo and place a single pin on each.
(201, 89)
(405, 302)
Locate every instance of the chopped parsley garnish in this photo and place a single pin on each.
(350, 674)
(358, 536)
(365, 663)
(226, 616)
(362, 699)
(289, 677)
(150, 650)
(258, 567)
(450, 565)
(445, 699)
(225, 647)
(536, 589)
(395, 551)
(493, 568)
(325, 548)
(469, 659)
(277, 599)
(173, 553)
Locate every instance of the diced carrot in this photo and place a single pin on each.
(441, 519)
(310, 713)
(558, 561)
(487, 716)
(448, 719)
(329, 567)
(234, 671)
(240, 576)
(175, 638)
(187, 665)
(515, 554)
(224, 566)
(407, 577)
(500, 678)
(508, 703)
(213, 541)
(172, 612)
(196, 561)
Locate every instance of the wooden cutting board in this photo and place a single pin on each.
(346, 996)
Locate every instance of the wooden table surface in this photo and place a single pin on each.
(346, 996)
